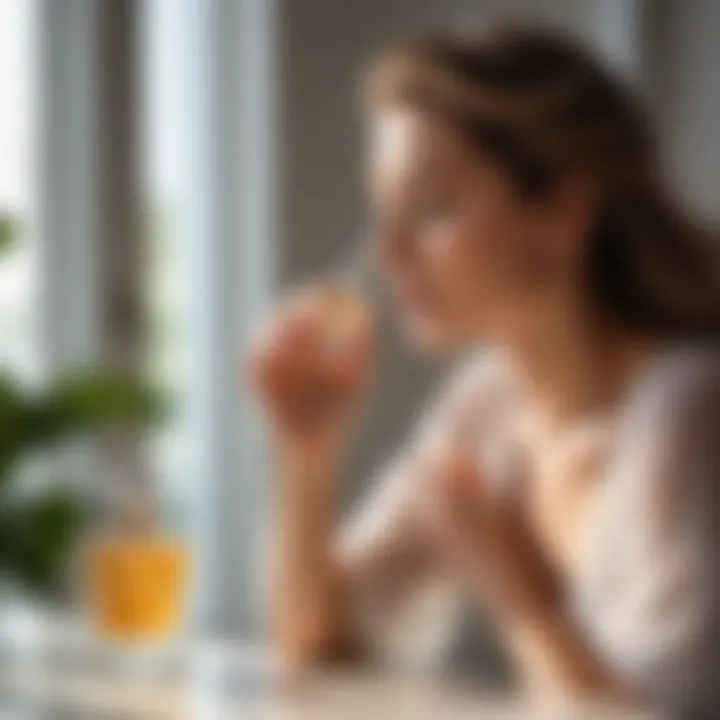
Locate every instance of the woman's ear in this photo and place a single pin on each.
(560, 220)
(575, 206)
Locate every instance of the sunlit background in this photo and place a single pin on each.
(169, 165)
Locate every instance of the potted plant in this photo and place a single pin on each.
(39, 529)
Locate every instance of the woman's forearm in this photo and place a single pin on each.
(312, 622)
(555, 660)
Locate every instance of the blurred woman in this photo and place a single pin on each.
(568, 477)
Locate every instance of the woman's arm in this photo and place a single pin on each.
(338, 589)
(554, 659)
(336, 583)
(494, 555)
(323, 574)
(309, 381)
(312, 618)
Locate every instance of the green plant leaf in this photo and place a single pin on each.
(11, 424)
(37, 536)
(38, 533)
(81, 403)
(96, 397)
(9, 232)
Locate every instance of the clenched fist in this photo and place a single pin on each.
(309, 365)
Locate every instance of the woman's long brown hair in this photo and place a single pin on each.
(541, 106)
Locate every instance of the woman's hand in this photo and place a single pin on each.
(491, 550)
(485, 542)
(309, 365)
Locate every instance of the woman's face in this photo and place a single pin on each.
(466, 256)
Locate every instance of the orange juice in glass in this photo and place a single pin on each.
(137, 586)
(136, 580)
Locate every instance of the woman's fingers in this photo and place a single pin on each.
(264, 359)
(448, 496)
(300, 327)
(482, 538)
(465, 516)
(455, 477)
(306, 376)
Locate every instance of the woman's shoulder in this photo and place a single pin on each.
(484, 371)
(668, 438)
(680, 390)
(479, 386)
(475, 408)
(655, 529)
(666, 453)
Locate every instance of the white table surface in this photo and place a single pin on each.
(349, 697)
(59, 671)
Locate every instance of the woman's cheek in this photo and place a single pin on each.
(444, 260)
(453, 277)
(439, 240)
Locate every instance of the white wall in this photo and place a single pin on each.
(683, 57)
